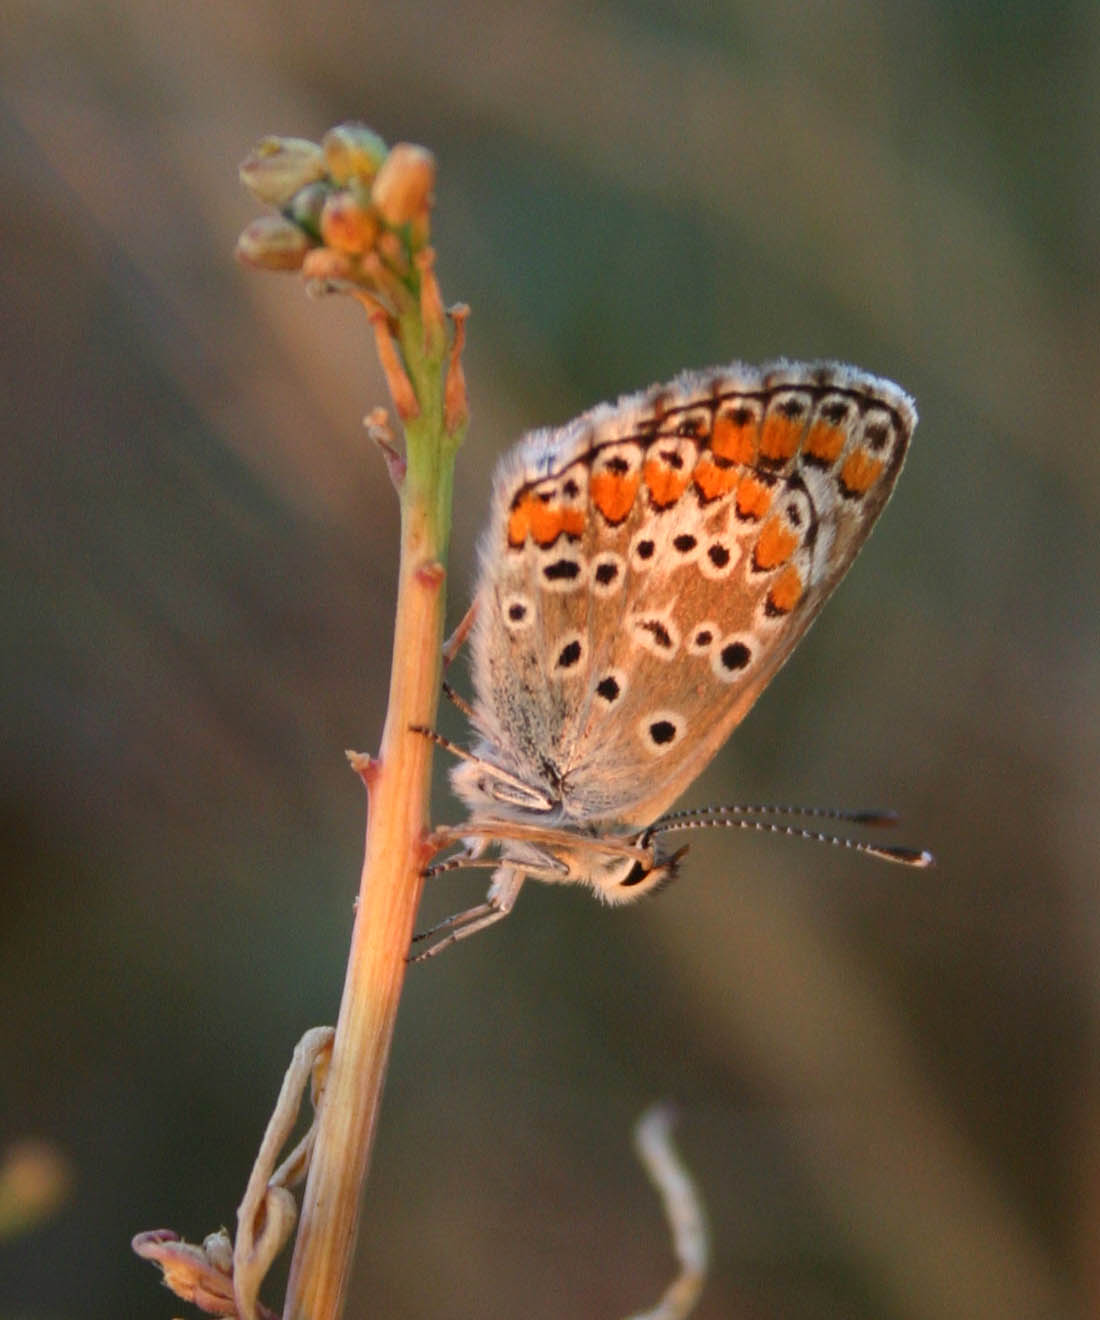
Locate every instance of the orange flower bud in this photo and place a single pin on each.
(402, 192)
(346, 225)
(324, 266)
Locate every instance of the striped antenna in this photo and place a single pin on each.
(746, 817)
(855, 815)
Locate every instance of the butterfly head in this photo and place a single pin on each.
(622, 879)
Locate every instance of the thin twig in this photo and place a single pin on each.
(683, 1210)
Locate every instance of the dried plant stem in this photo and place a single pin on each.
(683, 1209)
(398, 784)
(354, 217)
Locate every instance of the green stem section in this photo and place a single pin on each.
(390, 886)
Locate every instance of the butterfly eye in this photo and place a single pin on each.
(635, 875)
(625, 879)
(649, 876)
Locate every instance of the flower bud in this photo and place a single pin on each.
(352, 151)
(305, 208)
(324, 266)
(273, 243)
(402, 192)
(278, 167)
(346, 225)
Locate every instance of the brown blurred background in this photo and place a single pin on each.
(886, 1079)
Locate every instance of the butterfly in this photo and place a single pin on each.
(645, 571)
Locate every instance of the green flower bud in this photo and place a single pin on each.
(306, 206)
(352, 151)
(279, 167)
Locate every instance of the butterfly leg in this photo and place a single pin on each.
(444, 743)
(460, 702)
(451, 648)
(499, 901)
(453, 644)
(522, 794)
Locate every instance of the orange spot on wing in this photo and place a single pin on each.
(666, 483)
(713, 480)
(735, 438)
(547, 521)
(824, 442)
(613, 493)
(775, 545)
(753, 498)
(572, 522)
(786, 591)
(860, 472)
(544, 520)
(519, 522)
(779, 437)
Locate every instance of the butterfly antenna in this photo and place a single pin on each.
(918, 857)
(853, 815)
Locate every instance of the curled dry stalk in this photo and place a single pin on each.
(683, 1210)
(224, 1278)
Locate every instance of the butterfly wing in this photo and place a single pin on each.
(649, 568)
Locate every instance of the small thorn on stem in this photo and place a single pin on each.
(401, 390)
(431, 574)
(365, 766)
(427, 849)
(377, 423)
(456, 409)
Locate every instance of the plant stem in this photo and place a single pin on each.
(398, 785)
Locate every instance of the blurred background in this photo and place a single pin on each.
(887, 1080)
